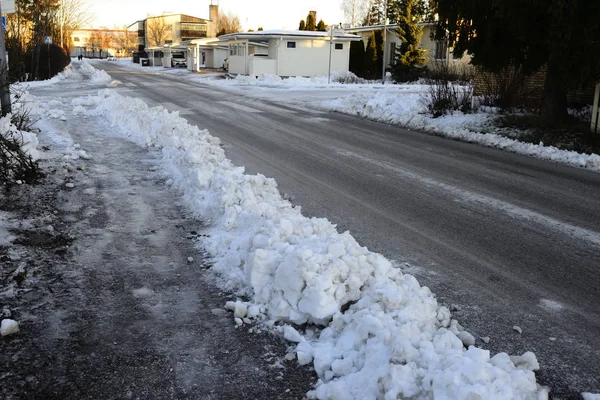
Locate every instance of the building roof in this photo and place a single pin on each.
(380, 27)
(276, 34)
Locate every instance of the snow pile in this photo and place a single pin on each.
(337, 79)
(394, 340)
(408, 110)
(84, 72)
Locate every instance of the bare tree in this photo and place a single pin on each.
(125, 42)
(94, 42)
(72, 15)
(228, 23)
(156, 31)
(355, 11)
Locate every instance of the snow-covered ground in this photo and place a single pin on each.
(369, 330)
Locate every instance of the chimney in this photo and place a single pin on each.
(213, 12)
(314, 14)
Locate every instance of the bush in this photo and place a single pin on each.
(449, 89)
(346, 78)
(15, 164)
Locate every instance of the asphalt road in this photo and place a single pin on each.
(503, 239)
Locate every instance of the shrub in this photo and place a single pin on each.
(347, 78)
(449, 89)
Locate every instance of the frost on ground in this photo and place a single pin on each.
(393, 340)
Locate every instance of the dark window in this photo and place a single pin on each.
(291, 45)
(339, 46)
(441, 50)
(76, 39)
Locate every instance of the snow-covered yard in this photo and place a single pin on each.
(369, 330)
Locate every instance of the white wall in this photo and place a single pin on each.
(311, 57)
(237, 65)
(218, 58)
(262, 65)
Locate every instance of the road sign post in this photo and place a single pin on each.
(48, 41)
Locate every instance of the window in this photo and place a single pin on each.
(339, 46)
(392, 54)
(76, 39)
(291, 45)
(441, 50)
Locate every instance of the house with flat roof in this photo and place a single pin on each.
(288, 53)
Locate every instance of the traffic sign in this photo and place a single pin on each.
(3, 23)
(47, 39)
(8, 6)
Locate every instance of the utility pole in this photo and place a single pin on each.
(330, 44)
(4, 85)
(384, 41)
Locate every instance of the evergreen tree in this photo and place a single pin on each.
(409, 57)
(375, 14)
(374, 55)
(321, 26)
(311, 24)
(302, 26)
(357, 58)
(529, 35)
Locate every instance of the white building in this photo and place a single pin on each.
(288, 53)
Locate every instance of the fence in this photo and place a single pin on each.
(88, 53)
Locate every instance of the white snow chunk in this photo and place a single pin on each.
(290, 356)
(240, 310)
(517, 328)
(590, 396)
(466, 338)
(69, 185)
(485, 339)
(291, 334)
(230, 305)
(239, 322)
(190, 259)
(9, 327)
(526, 361)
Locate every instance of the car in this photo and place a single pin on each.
(178, 59)
(111, 58)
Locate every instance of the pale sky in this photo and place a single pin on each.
(270, 14)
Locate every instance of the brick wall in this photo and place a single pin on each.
(529, 89)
